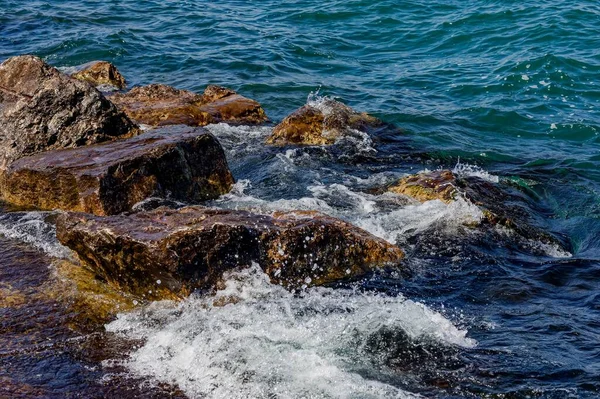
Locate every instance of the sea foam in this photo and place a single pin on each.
(256, 339)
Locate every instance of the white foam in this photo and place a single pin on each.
(415, 219)
(32, 228)
(464, 169)
(240, 141)
(370, 212)
(271, 343)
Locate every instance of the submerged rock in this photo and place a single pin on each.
(43, 109)
(499, 206)
(176, 251)
(320, 124)
(159, 105)
(182, 164)
(101, 73)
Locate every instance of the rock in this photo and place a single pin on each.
(499, 207)
(439, 184)
(177, 163)
(320, 124)
(159, 105)
(225, 105)
(101, 73)
(43, 109)
(181, 250)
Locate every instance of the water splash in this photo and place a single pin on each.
(465, 169)
(35, 229)
(256, 339)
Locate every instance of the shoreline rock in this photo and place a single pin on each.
(161, 105)
(320, 124)
(179, 163)
(190, 248)
(43, 109)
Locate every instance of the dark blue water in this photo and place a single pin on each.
(510, 89)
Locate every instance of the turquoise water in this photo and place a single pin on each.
(512, 88)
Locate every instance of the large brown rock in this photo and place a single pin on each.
(168, 251)
(160, 105)
(320, 124)
(183, 164)
(43, 109)
(101, 73)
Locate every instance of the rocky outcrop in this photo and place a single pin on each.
(101, 73)
(166, 251)
(43, 109)
(320, 124)
(160, 105)
(178, 163)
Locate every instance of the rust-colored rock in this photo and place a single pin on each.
(43, 109)
(189, 248)
(427, 186)
(159, 105)
(320, 124)
(180, 163)
(101, 73)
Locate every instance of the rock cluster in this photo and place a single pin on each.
(65, 146)
(126, 194)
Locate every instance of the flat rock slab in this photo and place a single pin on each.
(43, 109)
(182, 163)
(161, 105)
(166, 251)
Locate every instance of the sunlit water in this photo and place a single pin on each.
(507, 91)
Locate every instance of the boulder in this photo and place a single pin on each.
(101, 73)
(182, 164)
(160, 105)
(43, 109)
(174, 251)
(321, 123)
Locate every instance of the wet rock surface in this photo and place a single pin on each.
(320, 124)
(160, 105)
(52, 341)
(178, 163)
(43, 109)
(428, 186)
(101, 73)
(165, 251)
